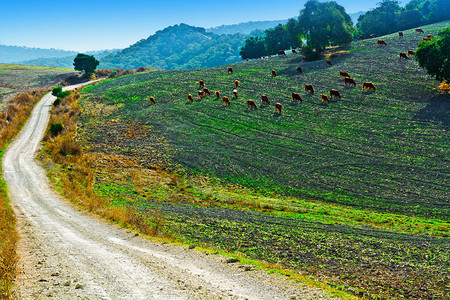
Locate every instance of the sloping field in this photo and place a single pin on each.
(376, 152)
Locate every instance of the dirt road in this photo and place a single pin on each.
(66, 253)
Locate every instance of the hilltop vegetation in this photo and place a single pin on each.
(354, 191)
(178, 47)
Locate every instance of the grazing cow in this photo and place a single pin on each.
(304, 59)
(328, 62)
(430, 36)
(235, 93)
(236, 83)
(411, 52)
(200, 95)
(403, 55)
(299, 69)
(265, 100)
(426, 39)
(296, 97)
(247, 59)
(368, 85)
(400, 34)
(230, 70)
(419, 30)
(381, 43)
(325, 98)
(334, 93)
(309, 88)
(349, 81)
(274, 73)
(225, 100)
(251, 104)
(281, 52)
(190, 99)
(152, 100)
(373, 35)
(201, 83)
(278, 107)
(293, 51)
(218, 94)
(344, 74)
(361, 37)
(206, 92)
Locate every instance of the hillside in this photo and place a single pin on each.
(354, 192)
(178, 47)
(15, 54)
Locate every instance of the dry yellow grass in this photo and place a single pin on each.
(444, 86)
(11, 121)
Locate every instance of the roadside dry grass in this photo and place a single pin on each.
(11, 121)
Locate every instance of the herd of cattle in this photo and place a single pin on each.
(251, 104)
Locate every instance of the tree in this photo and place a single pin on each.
(85, 63)
(325, 24)
(434, 55)
(277, 39)
(381, 20)
(254, 48)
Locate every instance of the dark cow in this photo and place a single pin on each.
(236, 83)
(278, 107)
(381, 43)
(152, 100)
(293, 51)
(265, 100)
(190, 99)
(403, 55)
(225, 100)
(304, 59)
(411, 52)
(334, 93)
(200, 94)
(325, 98)
(218, 94)
(201, 83)
(426, 39)
(349, 81)
(361, 37)
(368, 85)
(235, 93)
(299, 69)
(274, 73)
(230, 70)
(343, 74)
(400, 34)
(309, 88)
(296, 97)
(430, 36)
(281, 52)
(251, 104)
(328, 62)
(419, 30)
(206, 92)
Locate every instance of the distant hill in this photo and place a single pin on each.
(179, 47)
(66, 61)
(15, 54)
(245, 27)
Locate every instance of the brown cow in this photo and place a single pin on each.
(200, 95)
(381, 43)
(281, 52)
(230, 70)
(206, 91)
(328, 62)
(218, 94)
(265, 100)
(403, 55)
(190, 99)
(334, 93)
(251, 104)
(411, 52)
(361, 37)
(296, 97)
(430, 36)
(299, 69)
(235, 93)
(236, 83)
(152, 100)
(368, 85)
(278, 107)
(419, 30)
(293, 51)
(309, 88)
(426, 39)
(325, 98)
(274, 73)
(201, 83)
(343, 74)
(225, 100)
(349, 81)
(400, 34)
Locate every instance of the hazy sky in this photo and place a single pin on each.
(99, 24)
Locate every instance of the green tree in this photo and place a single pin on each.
(277, 39)
(85, 63)
(434, 55)
(324, 24)
(381, 20)
(59, 93)
(254, 48)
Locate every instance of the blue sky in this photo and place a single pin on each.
(99, 24)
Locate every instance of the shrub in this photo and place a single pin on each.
(56, 128)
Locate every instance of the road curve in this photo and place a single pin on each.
(67, 253)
